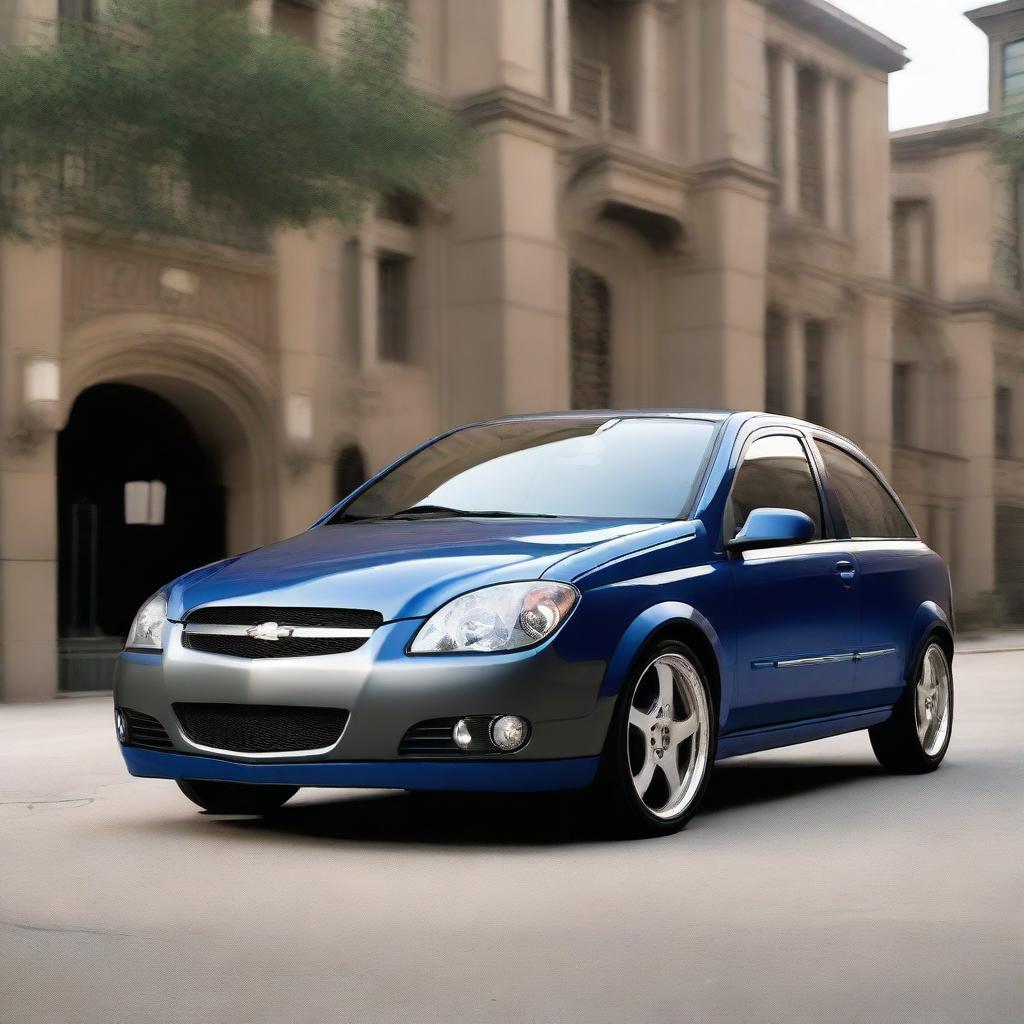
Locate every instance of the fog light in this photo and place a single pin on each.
(461, 734)
(120, 726)
(508, 732)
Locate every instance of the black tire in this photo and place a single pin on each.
(235, 797)
(614, 790)
(897, 742)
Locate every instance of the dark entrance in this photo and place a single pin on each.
(117, 549)
(590, 339)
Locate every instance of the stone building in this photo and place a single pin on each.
(958, 350)
(675, 203)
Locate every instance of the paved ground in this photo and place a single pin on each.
(813, 888)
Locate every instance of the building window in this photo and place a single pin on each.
(590, 339)
(77, 10)
(1013, 72)
(549, 49)
(400, 207)
(775, 362)
(772, 114)
(296, 18)
(911, 243)
(1004, 422)
(808, 98)
(393, 309)
(76, 17)
(901, 399)
(1010, 234)
(815, 340)
(600, 33)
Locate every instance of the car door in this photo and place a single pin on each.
(797, 608)
(895, 570)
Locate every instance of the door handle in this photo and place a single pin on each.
(847, 570)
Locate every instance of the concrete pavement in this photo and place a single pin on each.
(812, 888)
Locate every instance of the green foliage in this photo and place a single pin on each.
(168, 117)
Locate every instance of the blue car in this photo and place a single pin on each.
(606, 600)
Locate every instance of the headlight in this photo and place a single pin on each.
(502, 618)
(147, 630)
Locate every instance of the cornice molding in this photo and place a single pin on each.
(714, 171)
(506, 103)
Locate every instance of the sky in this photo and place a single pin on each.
(948, 73)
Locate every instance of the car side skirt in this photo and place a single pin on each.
(465, 776)
(785, 734)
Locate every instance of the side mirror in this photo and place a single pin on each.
(772, 528)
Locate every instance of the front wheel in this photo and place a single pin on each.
(917, 736)
(661, 743)
(235, 797)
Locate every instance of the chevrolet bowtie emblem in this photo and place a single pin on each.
(269, 631)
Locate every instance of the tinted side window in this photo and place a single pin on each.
(774, 474)
(867, 506)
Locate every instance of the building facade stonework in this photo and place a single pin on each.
(674, 203)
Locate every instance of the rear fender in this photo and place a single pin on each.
(929, 620)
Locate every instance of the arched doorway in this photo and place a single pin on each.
(117, 546)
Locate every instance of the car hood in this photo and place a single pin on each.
(401, 568)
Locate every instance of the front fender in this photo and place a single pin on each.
(928, 619)
(644, 626)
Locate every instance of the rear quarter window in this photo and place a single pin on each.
(867, 506)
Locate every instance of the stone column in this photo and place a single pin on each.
(262, 14)
(832, 151)
(712, 342)
(508, 342)
(30, 325)
(307, 351)
(789, 161)
(647, 72)
(874, 347)
(795, 363)
(973, 341)
(561, 56)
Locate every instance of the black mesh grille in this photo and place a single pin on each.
(259, 729)
(145, 731)
(433, 738)
(239, 615)
(290, 647)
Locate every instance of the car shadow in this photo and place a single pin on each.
(537, 819)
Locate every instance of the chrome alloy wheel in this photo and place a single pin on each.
(931, 701)
(668, 739)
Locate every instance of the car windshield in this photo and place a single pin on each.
(587, 467)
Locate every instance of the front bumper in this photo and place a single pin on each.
(386, 692)
(465, 776)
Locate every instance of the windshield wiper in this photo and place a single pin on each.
(443, 511)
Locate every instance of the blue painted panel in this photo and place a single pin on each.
(751, 740)
(479, 776)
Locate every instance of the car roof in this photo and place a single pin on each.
(716, 415)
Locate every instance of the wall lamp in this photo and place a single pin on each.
(298, 431)
(39, 414)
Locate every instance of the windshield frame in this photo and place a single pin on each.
(333, 517)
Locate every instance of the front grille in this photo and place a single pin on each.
(292, 647)
(240, 615)
(261, 729)
(145, 731)
(222, 629)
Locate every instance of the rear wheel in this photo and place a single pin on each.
(235, 797)
(917, 736)
(661, 743)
